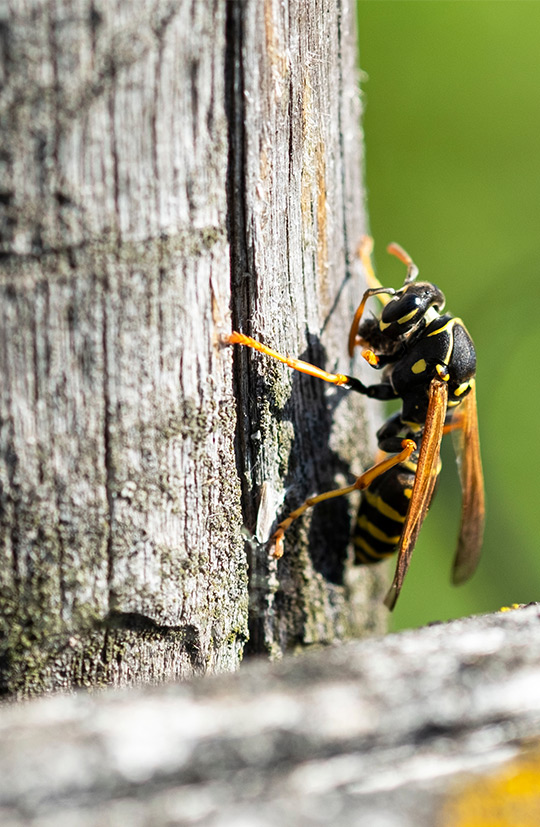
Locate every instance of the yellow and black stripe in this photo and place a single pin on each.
(382, 512)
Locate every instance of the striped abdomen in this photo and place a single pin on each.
(382, 512)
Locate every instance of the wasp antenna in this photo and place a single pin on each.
(398, 251)
(371, 291)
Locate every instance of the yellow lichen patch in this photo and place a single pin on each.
(508, 798)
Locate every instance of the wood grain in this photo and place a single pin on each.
(146, 146)
(439, 725)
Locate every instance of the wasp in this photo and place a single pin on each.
(428, 361)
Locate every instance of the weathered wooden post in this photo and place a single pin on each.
(148, 151)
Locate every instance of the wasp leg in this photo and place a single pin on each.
(383, 391)
(379, 360)
(363, 481)
(455, 424)
(388, 439)
(235, 338)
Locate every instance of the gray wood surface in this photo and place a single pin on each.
(145, 147)
(296, 283)
(388, 731)
(122, 554)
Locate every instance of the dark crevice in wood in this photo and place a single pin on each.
(243, 286)
(107, 447)
(5, 50)
(241, 272)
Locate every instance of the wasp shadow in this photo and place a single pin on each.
(313, 465)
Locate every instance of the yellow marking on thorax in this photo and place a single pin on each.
(419, 367)
(448, 326)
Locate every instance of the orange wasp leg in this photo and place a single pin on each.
(235, 338)
(363, 481)
(455, 425)
(370, 357)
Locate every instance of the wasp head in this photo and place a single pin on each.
(412, 307)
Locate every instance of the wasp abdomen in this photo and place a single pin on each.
(382, 512)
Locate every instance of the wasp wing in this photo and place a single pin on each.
(471, 532)
(424, 484)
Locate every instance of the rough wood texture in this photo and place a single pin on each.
(138, 139)
(295, 226)
(386, 731)
(121, 551)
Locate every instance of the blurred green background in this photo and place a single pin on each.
(452, 127)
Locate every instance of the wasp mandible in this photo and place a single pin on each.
(428, 360)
